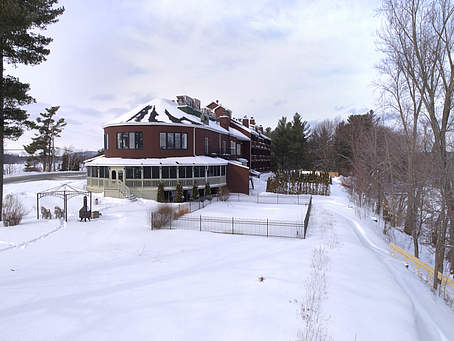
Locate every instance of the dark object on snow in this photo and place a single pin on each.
(45, 213)
(261, 279)
(96, 214)
(84, 213)
(58, 212)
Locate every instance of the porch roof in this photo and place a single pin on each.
(169, 161)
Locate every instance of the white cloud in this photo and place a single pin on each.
(265, 59)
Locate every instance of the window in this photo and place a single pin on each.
(199, 171)
(165, 172)
(162, 141)
(222, 170)
(170, 140)
(214, 170)
(131, 140)
(206, 145)
(185, 172)
(224, 147)
(151, 172)
(106, 141)
(173, 140)
(133, 173)
(169, 172)
(184, 141)
(177, 141)
(155, 172)
(238, 149)
(232, 147)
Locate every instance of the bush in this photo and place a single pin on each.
(13, 211)
(181, 211)
(195, 192)
(161, 196)
(179, 196)
(207, 189)
(224, 193)
(161, 217)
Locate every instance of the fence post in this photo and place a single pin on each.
(151, 222)
(171, 216)
(232, 224)
(200, 224)
(267, 227)
(298, 198)
(257, 197)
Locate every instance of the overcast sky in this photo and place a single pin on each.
(266, 59)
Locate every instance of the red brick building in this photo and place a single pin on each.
(173, 142)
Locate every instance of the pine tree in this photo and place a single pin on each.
(48, 129)
(195, 192)
(20, 43)
(179, 196)
(161, 196)
(299, 132)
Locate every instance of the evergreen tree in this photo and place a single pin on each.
(179, 196)
(289, 144)
(48, 129)
(65, 161)
(161, 196)
(195, 192)
(74, 164)
(280, 141)
(20, 43)
(299, 133)
(207, 189)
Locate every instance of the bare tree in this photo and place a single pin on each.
(417, 38)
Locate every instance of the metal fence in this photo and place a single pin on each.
(252, 227)
(232, 225)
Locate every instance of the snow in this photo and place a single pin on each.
(169, 161)
(161, 105)
(114, 279)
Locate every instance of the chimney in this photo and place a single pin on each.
(224, 120)
(245, 121)
(252, 121)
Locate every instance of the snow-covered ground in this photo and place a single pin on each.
(115, 279)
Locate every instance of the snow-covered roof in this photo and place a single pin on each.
(251, 129)
(238, 134)
(157, 110)
(168, 161)
(161, 110)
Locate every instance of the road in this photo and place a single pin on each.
(45, 176)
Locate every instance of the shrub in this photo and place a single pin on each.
(195, 192)
(161, 217)
(207, 189)
(161, 197)
(224, 193)
(179, 197)
(180, 211)
(13, 211)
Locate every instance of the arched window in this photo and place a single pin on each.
(114, 175)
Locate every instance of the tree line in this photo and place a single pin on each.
(405, 171)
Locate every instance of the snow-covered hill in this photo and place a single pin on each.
(115, 279)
